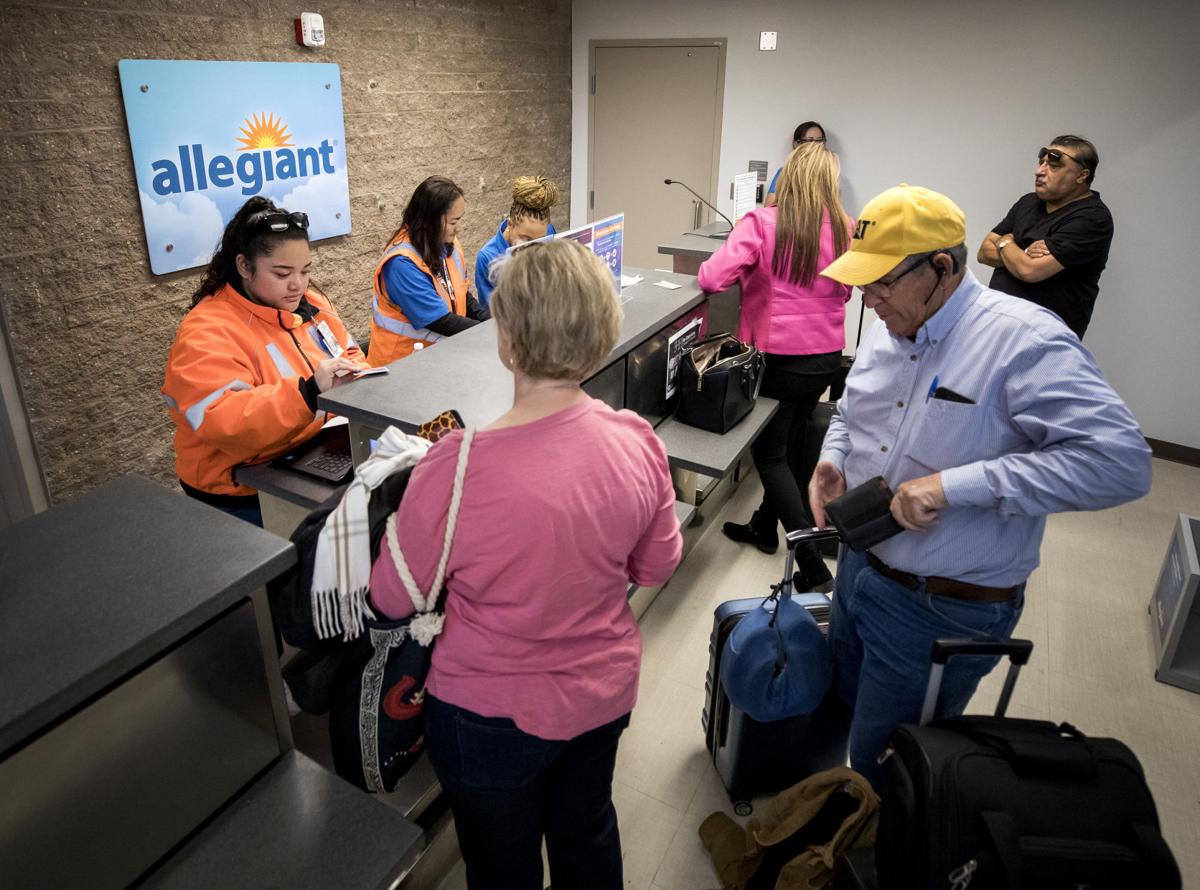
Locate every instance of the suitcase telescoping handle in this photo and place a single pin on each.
(1018, 652)
(807, 535)
(803, 536)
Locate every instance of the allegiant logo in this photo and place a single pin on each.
(269, 156)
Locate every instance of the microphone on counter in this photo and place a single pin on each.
(703, 201)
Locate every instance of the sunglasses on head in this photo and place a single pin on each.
(279, 220)
(1056, 157)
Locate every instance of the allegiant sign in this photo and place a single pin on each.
(194, 172)
(206, 136)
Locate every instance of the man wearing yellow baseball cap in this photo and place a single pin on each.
(984, 413)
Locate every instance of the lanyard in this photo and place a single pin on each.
(445, 276)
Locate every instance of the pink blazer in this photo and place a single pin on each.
(776, 315)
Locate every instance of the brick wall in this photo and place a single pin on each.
(478, 91)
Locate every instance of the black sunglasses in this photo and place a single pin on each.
(279, 220)
(1056, 158)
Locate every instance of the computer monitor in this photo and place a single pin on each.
(605, 238)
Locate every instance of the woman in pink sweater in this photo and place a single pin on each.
(796, 317)
(565, 503)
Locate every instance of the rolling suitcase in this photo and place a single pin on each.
(994, 802)
(753, 757)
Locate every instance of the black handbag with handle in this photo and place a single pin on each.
(719, 379)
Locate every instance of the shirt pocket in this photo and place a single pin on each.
(951, 434)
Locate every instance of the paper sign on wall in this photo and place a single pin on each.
(745, 194)
(206, 136)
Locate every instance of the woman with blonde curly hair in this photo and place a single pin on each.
(796, 317)
(528, 219)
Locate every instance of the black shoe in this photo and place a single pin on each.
(814, 576)
(745, 534)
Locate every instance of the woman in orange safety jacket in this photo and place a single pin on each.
(420, 283)
(258, 345)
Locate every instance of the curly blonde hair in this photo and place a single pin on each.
(532, 196)
(557, 304)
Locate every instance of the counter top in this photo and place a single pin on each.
(464, 372)
(299, 826)
(286, 483)
(117, 574)
(699, 243)
(710, 454)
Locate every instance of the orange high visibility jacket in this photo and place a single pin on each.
(392, 336)
(232, 385)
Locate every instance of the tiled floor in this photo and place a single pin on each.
(1093, 665)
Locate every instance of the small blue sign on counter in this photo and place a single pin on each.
(208, 135)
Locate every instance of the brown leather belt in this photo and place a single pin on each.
(959, 590)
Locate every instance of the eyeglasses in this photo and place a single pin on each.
(279, 220)
(1056, 158)
(810, 139)
(883, 289)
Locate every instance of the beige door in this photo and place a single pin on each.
(655, 115)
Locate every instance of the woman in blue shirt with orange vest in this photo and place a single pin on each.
(421, 292)
(528, 219)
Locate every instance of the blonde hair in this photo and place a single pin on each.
(532, 196)
(808, 192)
(557, 304)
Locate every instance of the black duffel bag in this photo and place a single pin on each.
(991, 802)
(719, 379)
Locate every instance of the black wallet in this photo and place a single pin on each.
(863, 515)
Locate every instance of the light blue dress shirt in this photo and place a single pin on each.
(1046, 433)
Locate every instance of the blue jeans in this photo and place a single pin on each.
(882, 635)
(509, 789)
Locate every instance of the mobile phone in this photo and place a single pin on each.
(369, 372)
(444, 423)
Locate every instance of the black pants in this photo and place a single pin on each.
(509, 789)
(797, 382)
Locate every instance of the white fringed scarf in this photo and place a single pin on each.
(342, 565)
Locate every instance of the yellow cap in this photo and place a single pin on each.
(900, 222)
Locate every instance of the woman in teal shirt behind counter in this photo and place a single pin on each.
(528, 219)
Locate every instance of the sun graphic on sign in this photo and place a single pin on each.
(264, 131)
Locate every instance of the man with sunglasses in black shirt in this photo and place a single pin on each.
(1053, 244)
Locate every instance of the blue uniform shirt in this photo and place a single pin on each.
(774, 182)
(487, 255)
(1046, 433)
(413, 291)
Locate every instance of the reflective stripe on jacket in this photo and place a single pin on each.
(232, 385)
(392, 335)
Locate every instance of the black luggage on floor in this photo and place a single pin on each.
(856, 871)
(995, 802)
(753, 757)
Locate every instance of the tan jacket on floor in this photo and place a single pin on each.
(737, 852)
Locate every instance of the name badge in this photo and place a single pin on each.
(332, 346)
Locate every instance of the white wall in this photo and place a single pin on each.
(959, 97)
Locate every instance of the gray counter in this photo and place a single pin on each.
(159, 564)
(695, 246)
(464, 372)
(299, 826)
(144, 734)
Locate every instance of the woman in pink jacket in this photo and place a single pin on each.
(796, 317)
